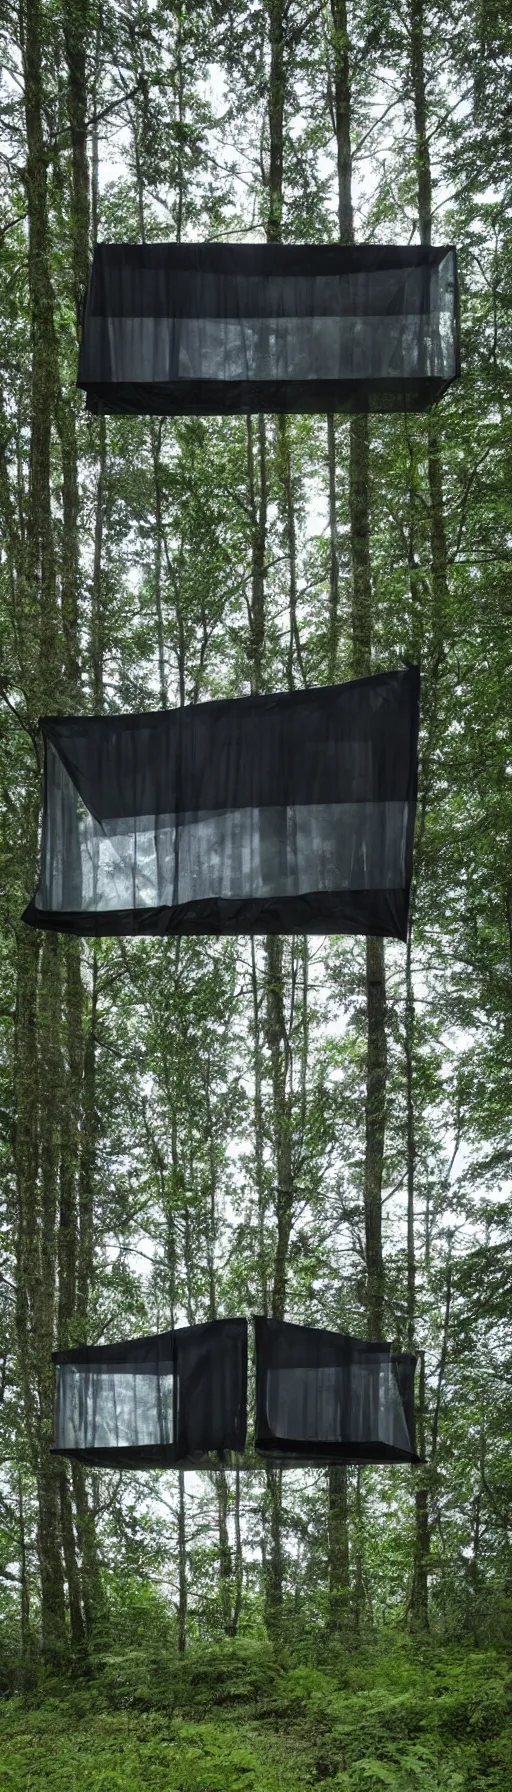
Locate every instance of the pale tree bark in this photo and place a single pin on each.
(276, 10)
(75, 26)
(275, 1028)
(419, 1609)
(278, 1044)
(259, 1133)
(225, 1556)
(49, 1471)
(360, 1594)
(286, 479)
(339, 100)
(257, 495)
(156, 445)
(338, 1547)
(376, 1058)
(67, 1239)
(76, 20)
(27, 1673)
(333, 636)
(228, 1585)
(359, 504)
(38, 1053)
(182, 1566)
(239, 1560)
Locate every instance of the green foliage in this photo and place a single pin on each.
(102, 1754)
(234, 1719)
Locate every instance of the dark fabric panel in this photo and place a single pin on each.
(215, 398)
(381, 913)
(259, 279)
(150, 1402)
(171, 329)
(143, 1355)
(211, 1366)
(263, 814)
(405, 1369)
(325, 1396)
(333, 744)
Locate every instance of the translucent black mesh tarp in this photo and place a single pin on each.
(321, 1396)
(178, 1397)
(258, 815)
(192, 328)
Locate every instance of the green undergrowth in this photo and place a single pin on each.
(235, 1717)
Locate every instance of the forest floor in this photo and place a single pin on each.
(235, 1718)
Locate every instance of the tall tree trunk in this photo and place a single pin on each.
(39, 975)
(27, 1664)
(257, 489)
(376, 1076)
(225, 1560)
(97, 628)
(333, 634)
(439, 559)
(50, 1114)
(70, 1561)
(91, 1583)
(278, 1044)
(259, 1133)
(156, 442)
(39, 536)
(339, 96)
(87, 1173)
(93, 1597)
(376, 1061)
(76, 20)
(67, 1244)
(284, 461)
(411, 1147)
(75, 23)
(279, 1049)
(419, 1613)
(358, 1593)
(339, 1568)
(182, 1566)
(239, 1560)
(276, 100)
(422, 151)
(275, 1028)
(273, 1561)
(359, 501)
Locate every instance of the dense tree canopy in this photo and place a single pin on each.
(315, 1129)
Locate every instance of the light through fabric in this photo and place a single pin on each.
(338, 1405)
(177, 1397)
(324, 1396)
(105, 1408)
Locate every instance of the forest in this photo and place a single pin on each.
(319, 1129)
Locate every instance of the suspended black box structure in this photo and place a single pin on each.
(179, 1397)
(324, 1397)
(255, 815)
(173, 329)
